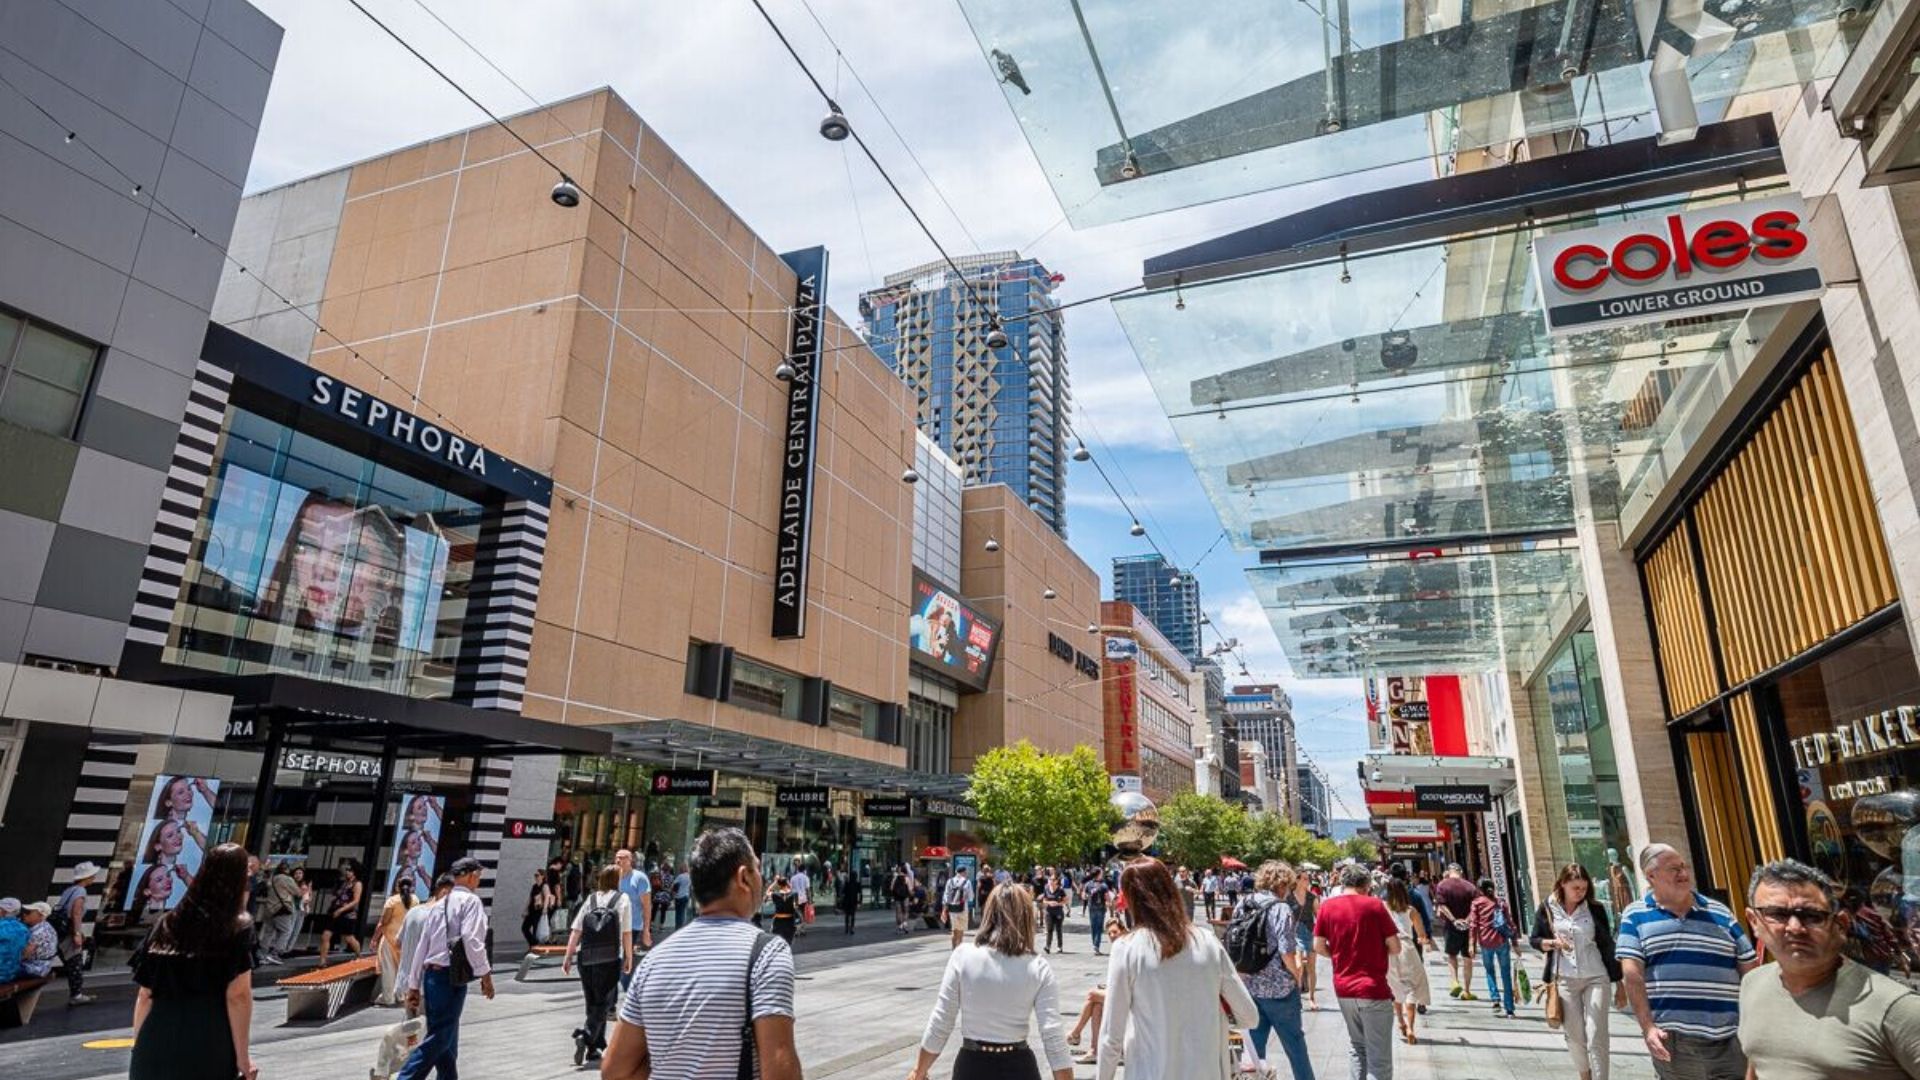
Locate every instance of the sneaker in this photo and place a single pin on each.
(82, 999)
(579, 1048)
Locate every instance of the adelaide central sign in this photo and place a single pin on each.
(793, 535)
(1723, 258)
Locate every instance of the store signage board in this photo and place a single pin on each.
(682, 782)
(1730, 257)
(934, 807)
(1063, 650)
(802, 798)
(337, 764)
(793, 533)
(1452, 798)
(894, 806)
(521, 829)
(1127, 783)
(1412, 712)
(1878, 733)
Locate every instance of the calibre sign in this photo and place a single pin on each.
(794, 534)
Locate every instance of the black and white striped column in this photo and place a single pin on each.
(500, 606)
(493, 776)
(93, 820)
(180, 502)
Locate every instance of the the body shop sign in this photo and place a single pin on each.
(1724, 258)
(793, 534)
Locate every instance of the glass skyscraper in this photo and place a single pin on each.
(1165, 594)
(1002, 414)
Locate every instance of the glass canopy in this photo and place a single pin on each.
(1137, 108)
(1420, 615)
(1412, 401)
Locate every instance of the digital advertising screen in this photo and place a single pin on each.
(348, 577)
(416, 843)
(173, 841)
(948, 635)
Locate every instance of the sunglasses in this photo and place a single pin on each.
(1809, 917)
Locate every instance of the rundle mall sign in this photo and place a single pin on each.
(1875, 733)
(1723, 258)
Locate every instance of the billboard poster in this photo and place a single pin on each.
(173, 841)
(416, 842)
(949, 635)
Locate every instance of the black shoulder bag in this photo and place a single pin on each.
(459, 967)
(748, 1045)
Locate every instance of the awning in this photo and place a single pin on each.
(1134, 108)
(689, 745)
(1405, 772)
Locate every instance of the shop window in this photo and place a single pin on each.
(1854, 742)
(765, 689)
(853, 714)
(43, 376)
(1573, 746)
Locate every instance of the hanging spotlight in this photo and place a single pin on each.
(992, 544)
(1174, 581)
(1081, 453)
(566, 193)
(1137, 529)
(909, 477)
(835, 127)
(1179, 301)
(1093, 628)
(1049, 594)
(996, 337)
(785, 372)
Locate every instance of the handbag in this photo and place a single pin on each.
(1556, 1009)
(459, 967)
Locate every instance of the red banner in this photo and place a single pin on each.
(1446, 717)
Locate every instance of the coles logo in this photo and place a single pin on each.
(1720, 244)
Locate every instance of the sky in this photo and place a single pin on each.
(714, 82)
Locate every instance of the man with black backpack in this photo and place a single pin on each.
(1266, 952)
(602, 944)
(715, 1000)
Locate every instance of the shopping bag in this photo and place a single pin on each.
(395, 1044)
(542, 932)
(1556, 1009)
(1524, 983)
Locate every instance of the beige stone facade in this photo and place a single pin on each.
(1035, 694)
(628, 352)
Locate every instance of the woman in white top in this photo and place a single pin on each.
(601, 956)
(992, 987)
(1407, 969)
(1169, 978)
(1573, 930)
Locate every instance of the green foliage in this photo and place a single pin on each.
(1270, 836)
(1196, 830)
(1042, 808)
(1361, 848)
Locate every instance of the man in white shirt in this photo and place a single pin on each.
(957, 902)
(460, 922)
(802, 894)
(679, 1019)
(415, 924)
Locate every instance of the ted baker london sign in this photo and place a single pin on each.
(1722, 258)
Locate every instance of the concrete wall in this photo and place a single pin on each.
(165, 96)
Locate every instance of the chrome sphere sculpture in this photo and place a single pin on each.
(1139, 822)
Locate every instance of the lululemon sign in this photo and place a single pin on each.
(1729, 257)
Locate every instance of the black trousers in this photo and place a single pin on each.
(599, 982)
(1011, 1065)
(849, 915)
(530, 927)
(1056, 929)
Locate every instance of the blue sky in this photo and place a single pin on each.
(712, 80)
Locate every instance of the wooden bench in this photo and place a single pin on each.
(539, 956)
(18, 1000)
(319, 994)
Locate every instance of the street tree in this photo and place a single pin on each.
(1041, 808)
(1361, 849)
(1196, 830)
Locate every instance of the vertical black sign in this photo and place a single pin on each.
(794, 535)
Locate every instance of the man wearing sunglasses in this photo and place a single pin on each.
(1813, 1013)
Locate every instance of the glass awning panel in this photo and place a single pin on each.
(1419, 613)
(1137, 108)
(1414, 396)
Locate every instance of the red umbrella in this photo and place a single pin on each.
(1230, 863)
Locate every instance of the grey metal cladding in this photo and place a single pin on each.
(128, 433)
(247, 29)
(142, 384)
(113, 496)
(91, 574)
(70, 635)
(161, 329)
(24, 543)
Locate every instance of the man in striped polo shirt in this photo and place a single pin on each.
(1683, 956)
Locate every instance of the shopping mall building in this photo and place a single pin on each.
(535, 549)
(1597, 401)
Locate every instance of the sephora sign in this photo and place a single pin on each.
(1723, 258)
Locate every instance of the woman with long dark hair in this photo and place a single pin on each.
(1407, 969)
(1169, 978)
(993, 988)
(195, 973)
(1573, 930)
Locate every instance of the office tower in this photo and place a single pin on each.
(1165, 594)
(1316, 804)
(1264, 714)
(1001, 413)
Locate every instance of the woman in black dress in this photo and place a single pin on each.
(195, 973)
(786, 908)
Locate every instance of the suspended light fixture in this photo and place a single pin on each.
(1137, 529)
(1081, 453)
(996, 337)
(565, 193)
(992, 544)
(785, 372)
(1093, 628)
(1049, 594)
(909, 477)
(835, 127)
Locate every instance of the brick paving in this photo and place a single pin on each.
(861, 1009)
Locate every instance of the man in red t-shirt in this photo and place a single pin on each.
(1455, 896)
(1355, 931)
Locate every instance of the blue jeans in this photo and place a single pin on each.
(1498, 960)
(443, 1003)
(1098, 917)
(1282, 1017)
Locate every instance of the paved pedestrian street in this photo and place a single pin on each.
(861, 1009)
